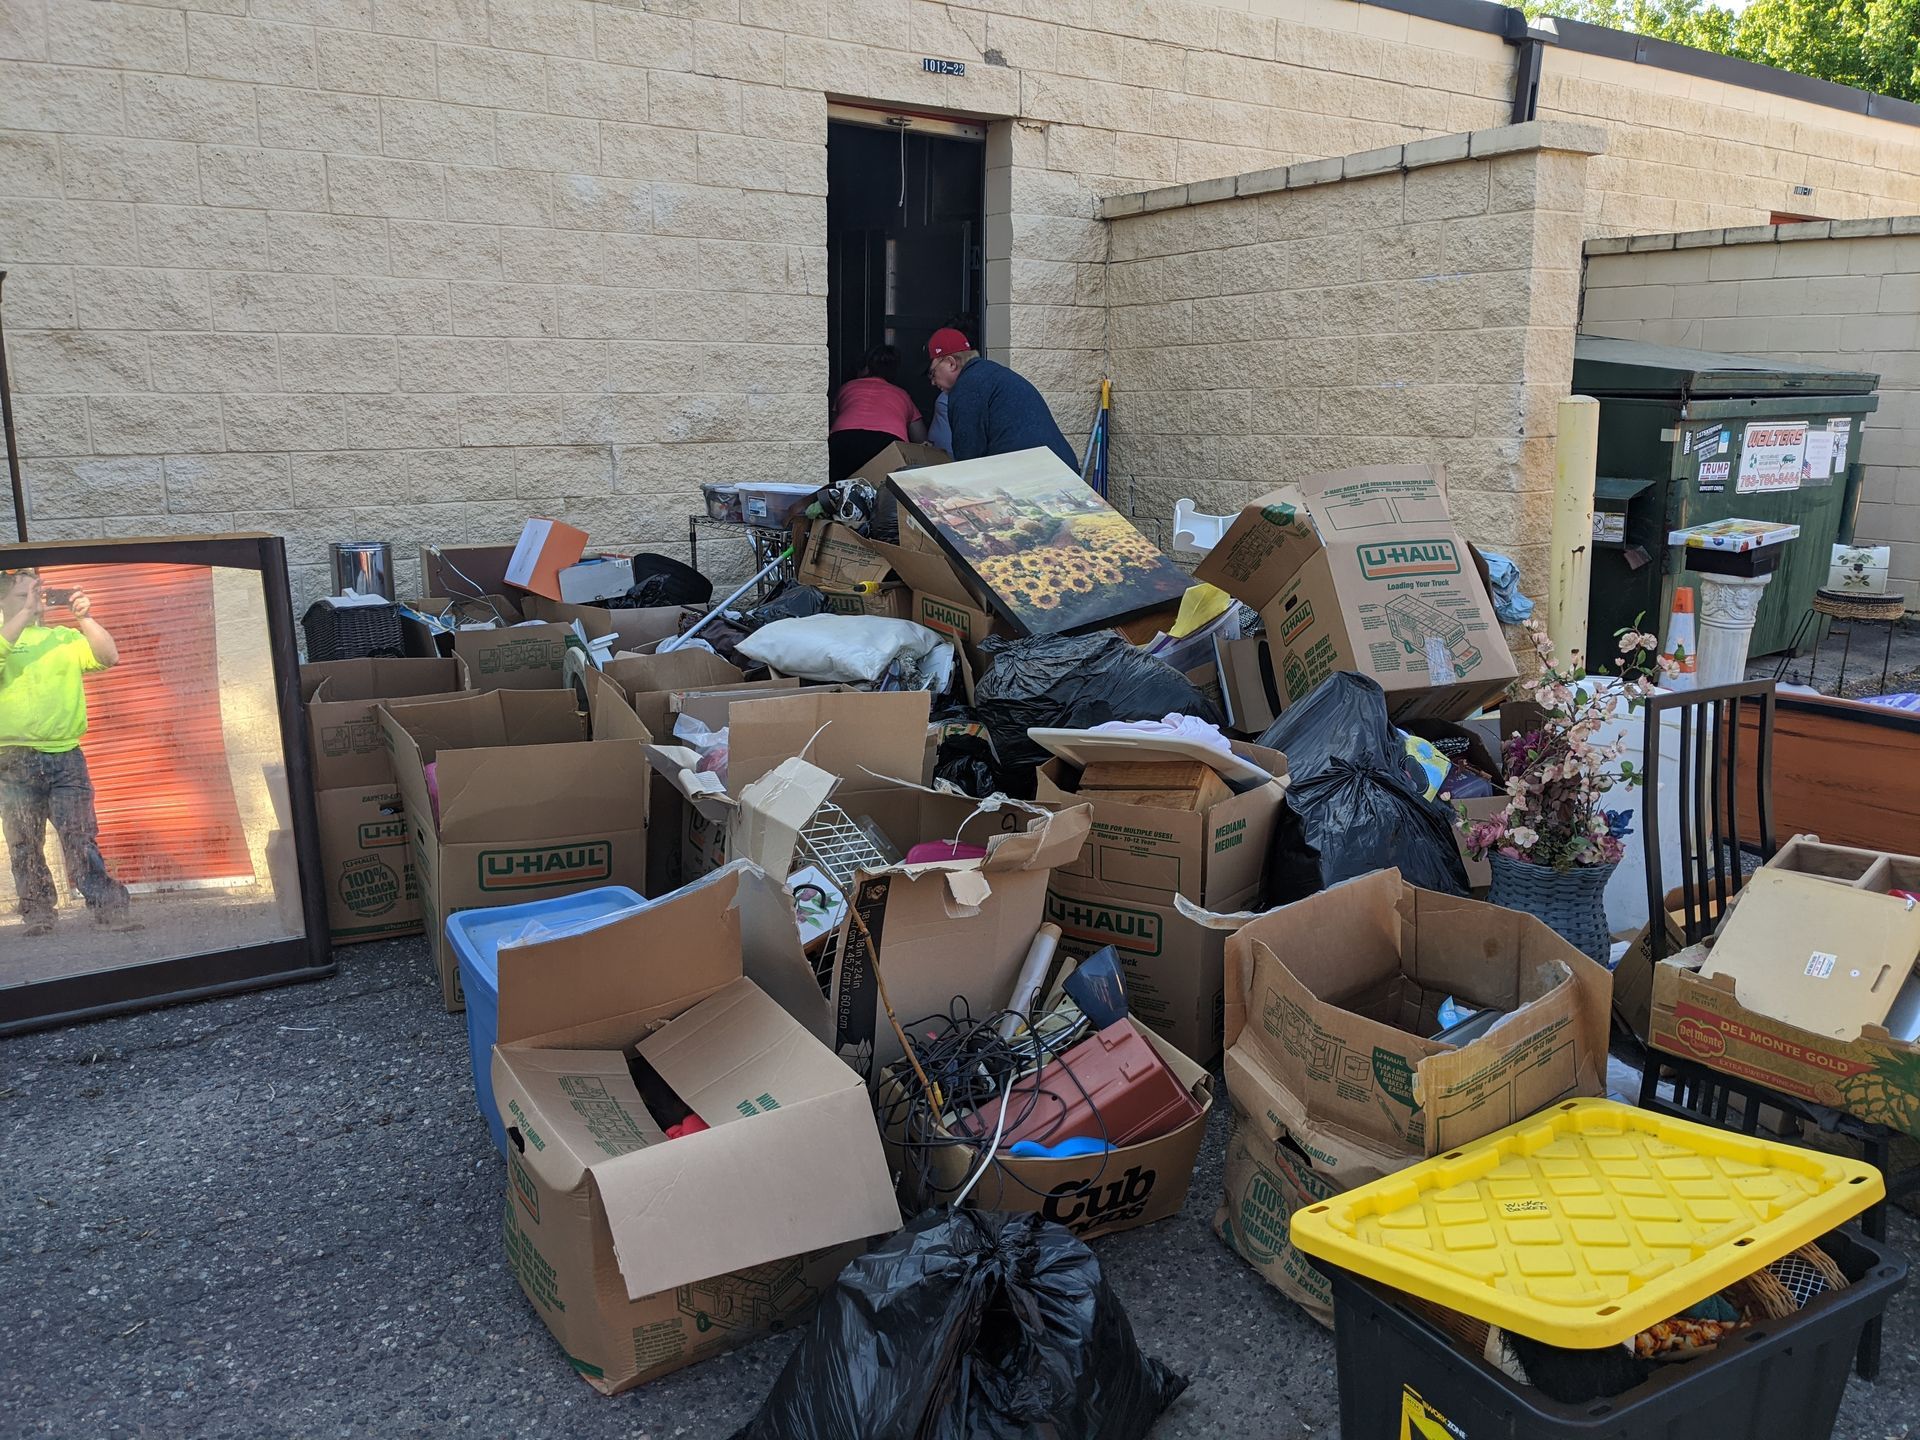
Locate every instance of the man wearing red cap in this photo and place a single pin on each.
(992, 410)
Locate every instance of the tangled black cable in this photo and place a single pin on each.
(973, 1067)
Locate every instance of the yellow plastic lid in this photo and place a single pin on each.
(1588, 1222)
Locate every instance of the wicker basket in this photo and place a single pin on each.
(349, 632)
(1852, 605)
(1778, 1290)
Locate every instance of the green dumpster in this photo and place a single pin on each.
(1687, 436)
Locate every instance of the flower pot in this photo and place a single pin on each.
(1572, 902)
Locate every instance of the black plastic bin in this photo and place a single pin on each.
(1777, 1380)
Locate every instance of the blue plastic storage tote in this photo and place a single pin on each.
(476, 935)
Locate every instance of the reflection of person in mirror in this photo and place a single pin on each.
(43, 774)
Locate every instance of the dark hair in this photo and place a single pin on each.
(882, 362)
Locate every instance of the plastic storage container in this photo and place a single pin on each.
(1775, 1380)
(476, 935)
(769, 505)
(723, 502)
(1586, 1223)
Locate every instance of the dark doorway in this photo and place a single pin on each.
(904, 234)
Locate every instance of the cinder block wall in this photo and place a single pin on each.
(1408, 304)
(409, 269)
(1845, 295)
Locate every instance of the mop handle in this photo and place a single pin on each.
(694, 629)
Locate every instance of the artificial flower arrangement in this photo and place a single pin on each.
(1558, 775)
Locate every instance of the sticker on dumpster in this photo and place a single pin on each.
(1420, 1421)
(1773, 456)
(1713, 476)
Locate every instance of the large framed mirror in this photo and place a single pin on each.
(156, 803)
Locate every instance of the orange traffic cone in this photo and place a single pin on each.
(1681, 647)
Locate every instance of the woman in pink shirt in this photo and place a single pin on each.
(871, 413)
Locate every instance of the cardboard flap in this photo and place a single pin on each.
(774, 809)
(1085, 747)
(837, 557)
(541, 792)
(609, 717)
(842, 733)
(924, 571)
(796, 1179)
(573, 1109)
(1826, 957)
(377, 678)
(1364, 910)
(675, 670)
(772, 955)
(737, 1054)
(1265, 545)
(1046, 844)
(657, 961)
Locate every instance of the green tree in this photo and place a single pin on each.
(1869, 44)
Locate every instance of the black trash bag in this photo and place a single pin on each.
(662, 580)
(1354, 789)
(793, 602)
(969, 1325)
(1073, 682)
(967, 761)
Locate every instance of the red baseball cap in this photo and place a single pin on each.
(946, 342)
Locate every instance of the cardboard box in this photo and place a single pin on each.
(1124, 886)
(956, 928)
(890, 601)
(1363, 570)
(1124, 1189)
(372, 893)
(343, 726)
(601, 578)
(529, 807)
(464, 569)
(508, 654)
(641, 628)
(870, 740)
(1333, 1080)
(546, 547)
(645, 1257)
(838, 557)
(649, 682)
(1704, 1016)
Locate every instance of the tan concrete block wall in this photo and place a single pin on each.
(1851, 302)
(1421, 314)
(569, 255)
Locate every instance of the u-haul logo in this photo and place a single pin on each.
(552, 865)
(1409, 557)
(379, 834)
(1136, 931)
(524, 1190)
(1298, 619)
(946, 617)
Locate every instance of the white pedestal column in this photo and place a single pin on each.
(1728, 605)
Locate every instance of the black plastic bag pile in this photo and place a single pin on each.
(1359, 806)
(1073, 682)
(969, 1325)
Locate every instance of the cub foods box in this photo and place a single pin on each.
(1363, 570)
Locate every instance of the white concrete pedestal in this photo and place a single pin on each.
(1728, 605)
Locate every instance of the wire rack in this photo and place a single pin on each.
(837, 845)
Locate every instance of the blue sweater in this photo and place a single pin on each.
(995, 412)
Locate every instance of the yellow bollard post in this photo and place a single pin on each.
(1571, 561)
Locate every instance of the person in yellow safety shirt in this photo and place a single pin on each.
(43, 774)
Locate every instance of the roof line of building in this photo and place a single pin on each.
(1757, 235)
(1512, 25)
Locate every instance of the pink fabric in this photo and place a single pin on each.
(872, 404)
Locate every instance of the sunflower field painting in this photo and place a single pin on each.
(1050, 554)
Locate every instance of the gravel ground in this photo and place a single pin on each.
(278, 1215)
